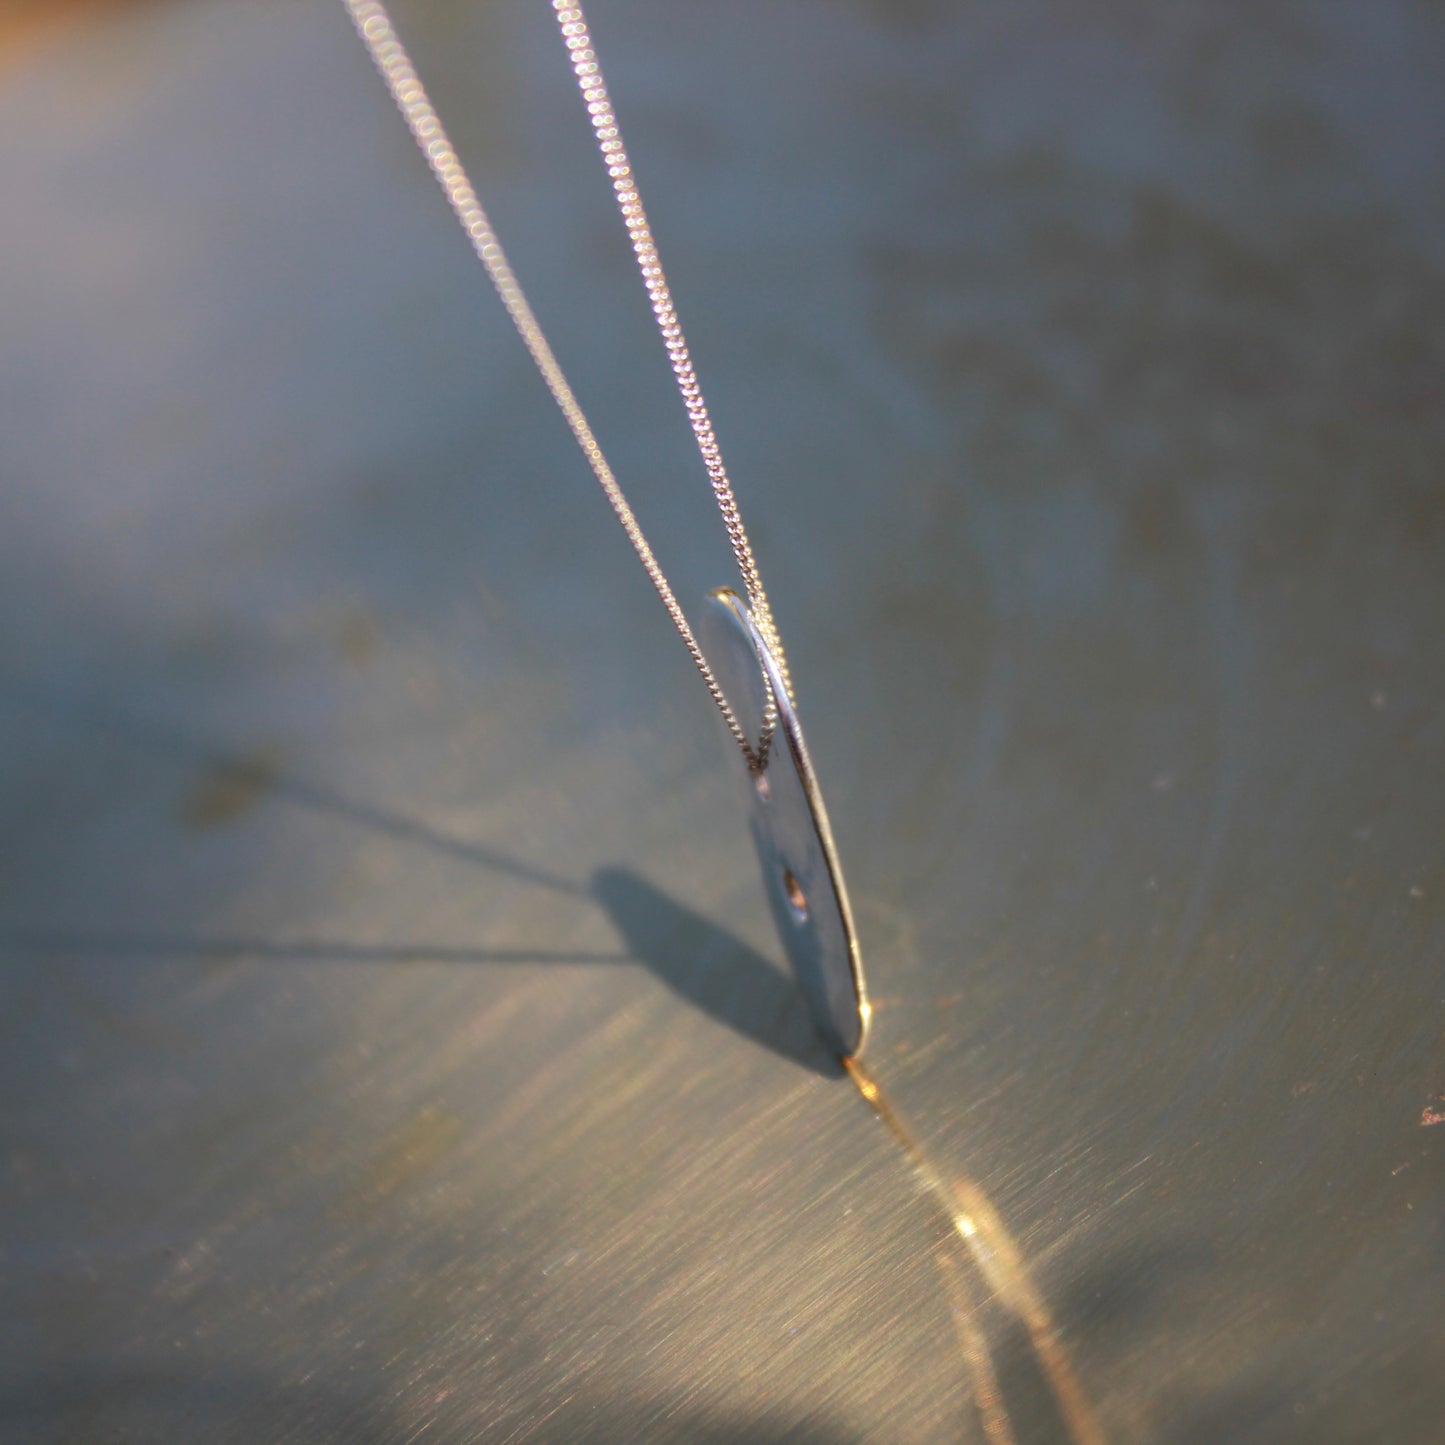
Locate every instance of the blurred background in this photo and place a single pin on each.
(393, 1044)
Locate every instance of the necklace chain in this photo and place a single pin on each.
(394, 65)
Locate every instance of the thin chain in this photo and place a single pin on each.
(585, 66)
(389, 56)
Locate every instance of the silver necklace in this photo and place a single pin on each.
(743, 666)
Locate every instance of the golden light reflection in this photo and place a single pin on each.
(999, 1260)
(973, 1345)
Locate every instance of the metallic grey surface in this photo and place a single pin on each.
(391, 1045)
(802, 877)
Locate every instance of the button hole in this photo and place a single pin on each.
(797, 899)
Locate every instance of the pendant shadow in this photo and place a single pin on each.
(700, 962)
(704, 965)
(711, 969)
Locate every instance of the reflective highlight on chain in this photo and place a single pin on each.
(389, 56)
(624, 186)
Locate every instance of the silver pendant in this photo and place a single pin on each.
(801, 872)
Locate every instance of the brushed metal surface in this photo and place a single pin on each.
(391, 1046)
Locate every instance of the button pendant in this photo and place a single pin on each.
(801, 873)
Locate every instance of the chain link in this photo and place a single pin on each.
(389, 56)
